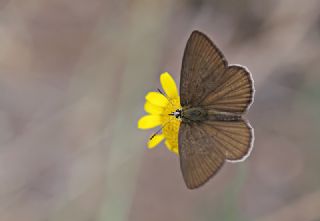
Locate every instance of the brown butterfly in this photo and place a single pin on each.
(213, 96)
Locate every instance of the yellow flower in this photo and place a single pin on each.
(159, 106)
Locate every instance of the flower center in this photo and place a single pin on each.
(171, 129)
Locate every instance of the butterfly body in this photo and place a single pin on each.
(214, 97)
(199, 114)
(194, 114)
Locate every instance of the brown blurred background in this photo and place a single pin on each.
(73, 75)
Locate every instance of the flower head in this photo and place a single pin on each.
(159, 106)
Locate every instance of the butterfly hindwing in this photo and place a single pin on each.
(233, 138)
(234, 92)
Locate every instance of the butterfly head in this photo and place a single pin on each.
(177, 114)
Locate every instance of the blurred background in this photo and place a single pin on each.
(73, 76)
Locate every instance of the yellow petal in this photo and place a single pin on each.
(152, 109)
(149, 121)
(175, 150)
(172, 149)
(169, 85)
(167, 144)
(155, 140)
(157, 99)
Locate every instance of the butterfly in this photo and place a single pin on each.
(214, 96)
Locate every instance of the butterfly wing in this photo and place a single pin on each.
(207, 81)
(233, 138)
(199, 158)
(204, 147)
(202, 60)
(234, 92)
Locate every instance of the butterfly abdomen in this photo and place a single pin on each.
(224, 117)
(198, 114)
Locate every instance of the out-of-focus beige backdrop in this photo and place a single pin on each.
(73, 75)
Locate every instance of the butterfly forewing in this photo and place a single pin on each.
(202, 61)
(199, 159)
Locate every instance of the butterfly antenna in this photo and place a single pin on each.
(157, 132)
(153, 135)
(160, 91)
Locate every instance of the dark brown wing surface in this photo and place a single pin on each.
(233, 138)
(207, 81)
(204, 147)
(202, 61)
(233, 93)
(199, 158)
